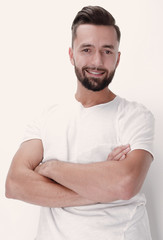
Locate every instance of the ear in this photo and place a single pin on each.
(118, 59)
(71, 55)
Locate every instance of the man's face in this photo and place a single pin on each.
(95, 55)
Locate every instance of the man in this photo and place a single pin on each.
(95, 152)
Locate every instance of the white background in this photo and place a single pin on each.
(35, 72)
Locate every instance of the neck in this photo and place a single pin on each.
(90, 98)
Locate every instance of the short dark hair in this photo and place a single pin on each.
(94, 15)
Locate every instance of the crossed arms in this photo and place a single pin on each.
(61, 184)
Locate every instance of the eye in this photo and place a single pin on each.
(107, 52)
(86, 50)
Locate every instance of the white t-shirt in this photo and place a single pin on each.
(82, 135)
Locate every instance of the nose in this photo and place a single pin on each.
(97, 60)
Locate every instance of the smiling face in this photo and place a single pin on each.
(95, 55)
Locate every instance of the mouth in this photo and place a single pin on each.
(95, 73)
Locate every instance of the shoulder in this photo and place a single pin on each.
(131, 109)
(135, 125)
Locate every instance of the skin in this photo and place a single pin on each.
(103, 181)
(24, 182)
(119, 177)
(95, 47)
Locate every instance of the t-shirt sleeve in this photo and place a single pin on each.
(32, 130)
(35, 129)
(136, 127)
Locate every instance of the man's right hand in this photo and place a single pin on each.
(119, 153)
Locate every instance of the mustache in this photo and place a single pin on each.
(94, 68)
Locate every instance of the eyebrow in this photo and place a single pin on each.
(86, 45)
(91, 45)
(108, 46)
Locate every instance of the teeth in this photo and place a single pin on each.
(96, 73)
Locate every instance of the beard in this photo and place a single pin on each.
(94, 83)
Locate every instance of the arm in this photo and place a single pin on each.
(25, 184)
(103, 181)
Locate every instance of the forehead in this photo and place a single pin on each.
(96, 35)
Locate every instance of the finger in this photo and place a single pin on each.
(122, 153)
(118, 150)
(37, 168)
(123, 157)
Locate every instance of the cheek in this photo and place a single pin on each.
(117, 59)
(111, 63)
(81, 60)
